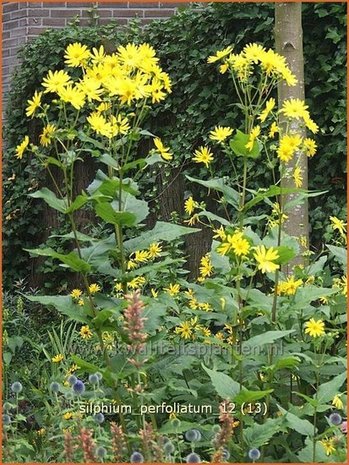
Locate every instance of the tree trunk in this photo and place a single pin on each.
(289, 43)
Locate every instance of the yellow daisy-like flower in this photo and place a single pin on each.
(294, 108)
(81, 302)
(337, 402)
(206, 268)
(76, 55)
(266, 258)
(68, 416)
(33, 104)
(297, 177)
(91, 88)
(173, 289)
(73, 95)
(311, 125)
(289, 287)
(47, 134)
(255, 132)
(328, 445)
(219, 233)
(76, 293)
(85, 332)
(41, 432)
(119, 125)
(190, 205)
(315, 328)
(57, 358)
(221, 133)
(235, 243)
(99, 124)
(268, 108)
(94, 288)
(162, 150)
(98, 55)
(289, 144)
(184, 330)
(203, 155)
(154, 250)
(274, 128)
(219, 55)
(55, 81)
(310, 147)
(20, 149)
(154, 293)
(136, 282)
(141, 256)
(253, 52)
(338, 225)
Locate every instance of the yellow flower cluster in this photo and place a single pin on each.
(272, 65)
(235, 243)
(194, 304)
(206, 268)
(341, 284)
(191, 329)
(289, 287)
(143, 256)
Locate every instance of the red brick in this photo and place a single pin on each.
(39, 13)
(36, 4)
(158, 13)
(6, 53)
(66, 13)
(10, 25)
(35, 31)
(9, 43)
(128, 13)
(34, 21)
(5, 35)
(173, 5)
(101, 14)
(53, 22)
(144, 5)
(23, 22)
(102, 6)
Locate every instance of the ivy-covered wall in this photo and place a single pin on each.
(201, 99)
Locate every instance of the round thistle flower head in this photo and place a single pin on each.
(99, 418)
(79, 387)
(6, 419)
(69, 395)
(136, 457)
(225, 454)
(54, 387)
(216, 429)
(72, 380)
(169, 448)
(101, 452)
(93, 379)
(176, 423)
(99, 375)
(193, 458)
(335, 419)
(254, 454)
(7, 406)
(193, 435)
(16, 387)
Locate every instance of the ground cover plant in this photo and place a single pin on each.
(246, 363)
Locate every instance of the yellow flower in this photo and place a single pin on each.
(337, 402)
(68, 416)
(219, 55)
(219, 233)
(91, 88)
(55, 81)
(255, 132)
(154, 293)
(85, 332)
(131, 265)
(41, 432)
(141, 256)
(328, 445)
(268, 107)
(341, 284)
(118, 287)
(94, 288)
(173, 289)
(136, 282)
(184, 330)
(338, 225)
(273, 130)
(220, 133)
(289, 287)
(190, 205)
(310, 147)
(294, 108)
(235, 242)
(311, 125)
(265, 258)
(21, 147)
(297, 177)
(76, 293)
(315, 328)
(99, 124)
(206, 268)
(154, 250)
(33, 104)
(288, 146)
(253, 52)
(81, 302)
(164, 151)
(57, 358)
(73, 95)
(119, 125)
(47, 134)
(98, 55)
(203, 155)
(76, 55)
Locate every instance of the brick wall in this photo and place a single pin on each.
(25, 20)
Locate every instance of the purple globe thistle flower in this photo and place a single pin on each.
(99, 418)
(99, 375)
(169, 448)
(335, 419)
(72, 380)
(193, 435)
(254, 454)
(7, 406)
(54, 387)
(6, 419)
(193, 458)
(136, 457)
(93, 379)
(16, 387)
(79, 387)
(101, 451)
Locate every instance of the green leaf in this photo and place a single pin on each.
(7, 357)
(71, 260)
(285, 254)
(238, 146)
(138, 207)
(286, 363)
(251, 396)
(109, 161)
(262, 194)
(230, 195)
(303, 427)
(328, 390)
(225, 386)
(63, 304)
(258, 435)
(306, 454)
(266, 338)
(107, 213)
(78, 202)
(340, 253)
(85, 138)
(306, 295)
(50, 198)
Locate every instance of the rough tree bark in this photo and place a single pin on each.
(289, 43)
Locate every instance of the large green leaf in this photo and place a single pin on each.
(238, 145)
(108, 214)
(300, 425)
(328, 390)
(266, 338)
(308, 294)
(72, 260)
(340, 253)
(78, 202)
(230, 195)
(251, 396)
(306, 455)
(138, 207)
(258, 435)
(63, 304)
(50, 198)
(225, 386)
